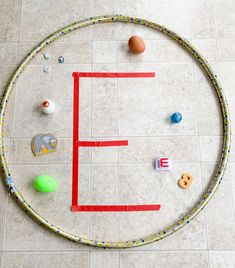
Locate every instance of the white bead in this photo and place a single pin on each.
(46, 69)
(48, 106)
(46, 55)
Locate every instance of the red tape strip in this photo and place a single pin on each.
(116, 208)
(102, 143)
(113, 75)
(75, 147)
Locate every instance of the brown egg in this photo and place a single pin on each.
(136, 44)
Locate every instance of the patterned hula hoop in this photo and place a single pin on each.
(215, 181)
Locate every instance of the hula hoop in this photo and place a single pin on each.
(215, 181)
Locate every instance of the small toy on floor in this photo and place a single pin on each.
(46, 56)
(176, 118)
(61, 59)
(185, 180)
(43, 144)
(48, 106)
(45, 184)
(136, 44)
(162, 163)
(46, 69)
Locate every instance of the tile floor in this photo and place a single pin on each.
(136, 110)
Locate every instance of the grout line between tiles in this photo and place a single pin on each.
(5, 222)
(214, 21)
(209, 256)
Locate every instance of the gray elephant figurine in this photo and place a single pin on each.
(43, 144)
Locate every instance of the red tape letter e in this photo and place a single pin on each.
(77, 143)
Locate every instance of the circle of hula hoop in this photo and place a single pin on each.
(215, 181)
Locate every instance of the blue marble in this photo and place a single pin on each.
(176, 118)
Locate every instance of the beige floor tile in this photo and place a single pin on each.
(164, 259)
(85, 155)
(50, 19)
(103, 7)
(222, 259)
(225, 23)
(173, 15)
(219, 213)
(226, 49)
(5, 74)
(232, 150)
(104, 67)
(207, 47)
(10, 18)
(232, 173)
(211, 148)
(8, 53)
(104, 31)
(104, 51)
(105, 154)
(104, 259)
(104, 184)
(202, 14)
(85, 105)
(84, 186)
(104, 226)
(50, 259)
(104, 107)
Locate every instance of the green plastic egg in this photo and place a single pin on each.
(45, 184)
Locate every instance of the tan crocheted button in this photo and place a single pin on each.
(185, 181)
(187, 176)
